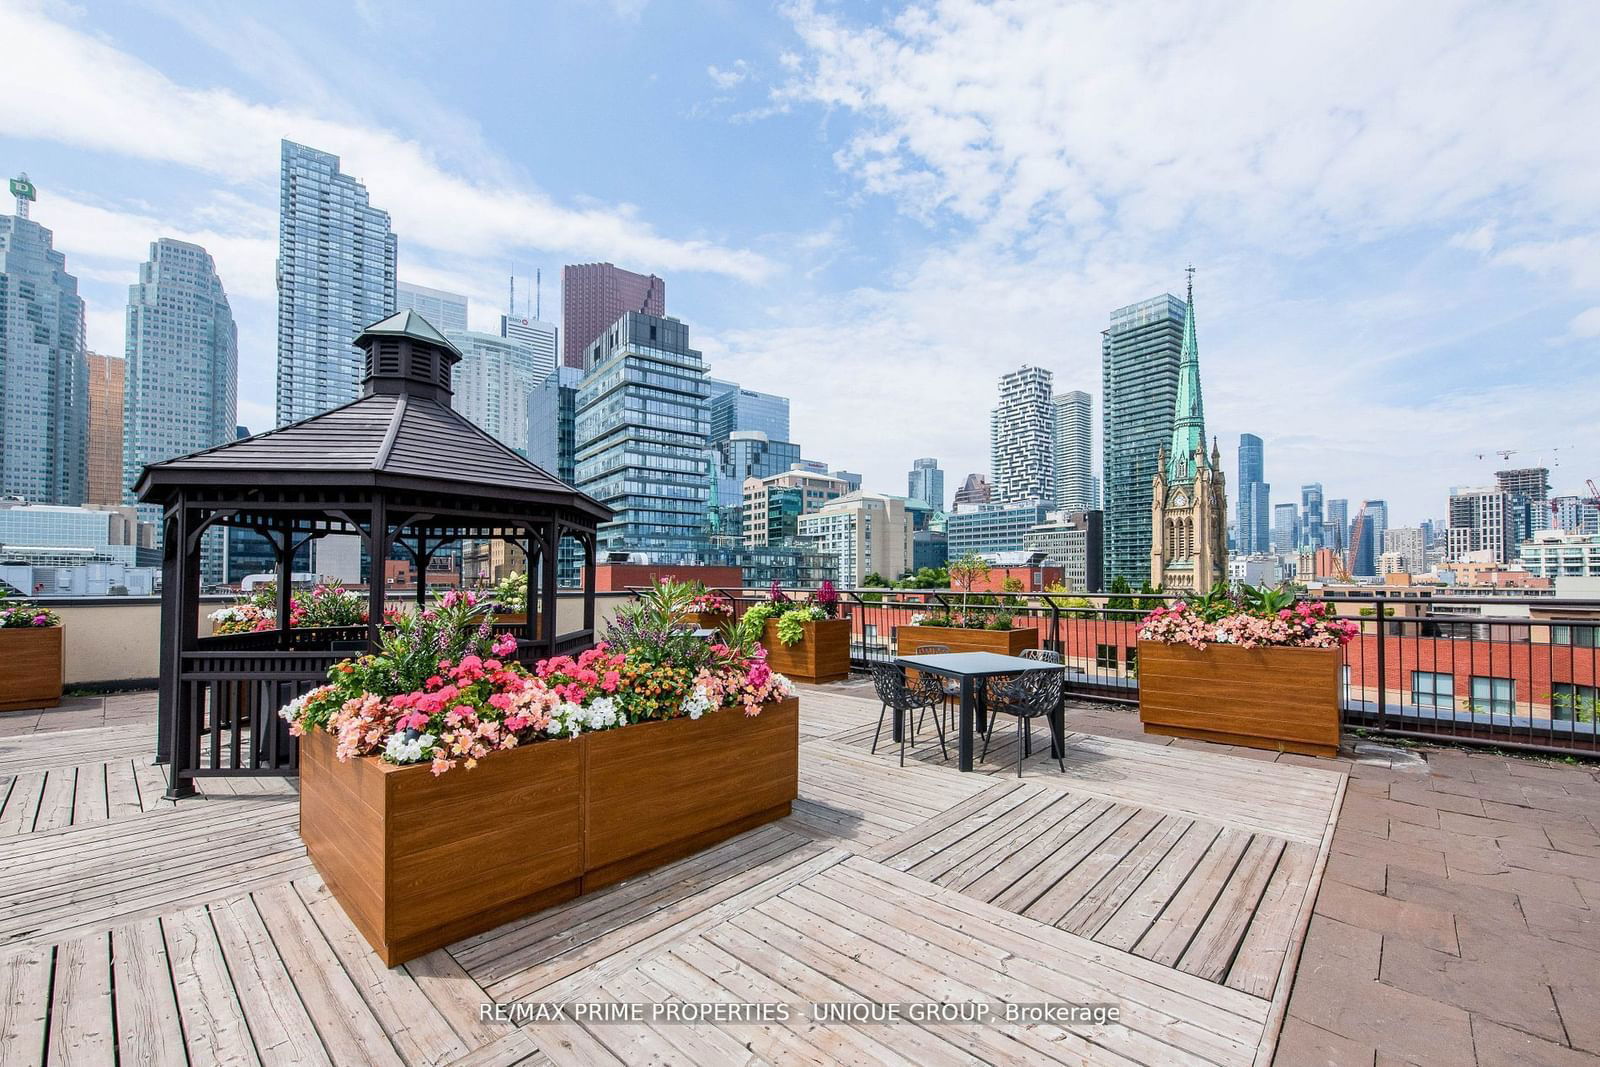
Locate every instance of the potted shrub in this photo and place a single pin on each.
(510, 599)
(446, 789)
(978, 624)
(805, 640)
(1259, 670)
(31, 660)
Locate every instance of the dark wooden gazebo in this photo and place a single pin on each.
(397, 467)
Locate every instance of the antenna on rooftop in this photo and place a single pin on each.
(511, 299)
(538, 294)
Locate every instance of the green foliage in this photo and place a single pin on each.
(791, 624)
(1001, 620)
(926, 578)
(875, 581)
(758, 614)
(511, 593)
(1012, 585)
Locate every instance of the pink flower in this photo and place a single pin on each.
(610, 682)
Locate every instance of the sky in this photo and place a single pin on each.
(878, 209)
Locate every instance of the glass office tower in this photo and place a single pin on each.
(1254, 521)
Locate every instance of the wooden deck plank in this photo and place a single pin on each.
(122, 790)
(1111, 850)
(214, 1027)
(55, 801)
(770, 1041)
(516, 1048)
(1255, 967)
(81, 1026)
(1130, 921)
(22, 804)
(280, 1026)
(1210, 952)
(455, 994)
(25, 1001)
(711, 1045)
(148, 1027)
(1101, 901)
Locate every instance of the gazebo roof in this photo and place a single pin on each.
(402, 434)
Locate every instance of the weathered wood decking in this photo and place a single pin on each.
(1170, 882)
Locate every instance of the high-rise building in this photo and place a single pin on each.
(1285, 528)
(1379, 511)
(1073, 434)
(1336, 514)
(773, 504)
(1559, 555)
(1311, 516)
(493, 381)
(1530, 497)
(1408, 548)
(992, 528)
(594, 296)
(336, 276)
(181, 386)
(1139, 356)
(731, 407)
(446, 312)
(541, 337)
(867, 533)
(1574, 514)
(44, 378)
(975, 490)
(1072, 539)
(926, 483)
(1021, 437)
(1188, 498)
(105, 429)
(1481, 521)
(1255, 497)
(641, 435)
(741, 455)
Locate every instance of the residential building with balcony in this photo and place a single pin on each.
(493, 382)
(1407, 543)
(641, 439)
(774, 504)
(1557, 554)
(1073, 435)
(1076, 541)
(865, 532)
(1022, 437)
(1481, 520)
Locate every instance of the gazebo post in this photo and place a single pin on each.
(547, 567)
(589, 573)
(184, 625)
(167, 698)
(422, 557)
(378, 548)
(285, 591)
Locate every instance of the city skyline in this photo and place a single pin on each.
(1319, 281)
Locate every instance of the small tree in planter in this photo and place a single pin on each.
(1260, 669)
(31, 659)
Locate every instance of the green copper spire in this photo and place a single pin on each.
(1189, 414)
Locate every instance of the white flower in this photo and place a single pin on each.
(401, 749)
(603, 713)
(229, 614)
(918, 618)
(782, 688)
(697, 703)
(291, 711)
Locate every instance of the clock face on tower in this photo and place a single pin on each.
(1180, 500)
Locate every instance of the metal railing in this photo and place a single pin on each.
(1513, 672)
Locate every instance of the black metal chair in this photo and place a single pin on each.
(906, 699)
(1028, 696)
(949, 687)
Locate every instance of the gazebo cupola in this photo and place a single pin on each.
(406, 355)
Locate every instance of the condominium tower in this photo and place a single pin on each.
(336, 276)
(180, 391)
(1139, 356)
(493, 381)
(641, 432)
(1073, 435)
(1311, 516)
(44, 379)
(1021, 437)
(445, 311)
(594, 296)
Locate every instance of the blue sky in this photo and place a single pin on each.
(877, 210)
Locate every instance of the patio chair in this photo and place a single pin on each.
(1029, 696)
(894, 692)
(949, 687)
(997, 688)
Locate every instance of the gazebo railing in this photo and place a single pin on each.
(227, 721)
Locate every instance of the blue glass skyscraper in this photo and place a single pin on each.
(1254, 521)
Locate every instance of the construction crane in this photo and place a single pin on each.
(1505, 454)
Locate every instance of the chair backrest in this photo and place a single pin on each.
(931, 650)
(890, 682)
(1042, 654)
(1036, 692)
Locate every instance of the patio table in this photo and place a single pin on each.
(972, 669)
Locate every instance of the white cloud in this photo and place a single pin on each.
(730, 77)
(105, 100)
(1586, 324)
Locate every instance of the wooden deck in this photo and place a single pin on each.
(1172, 883)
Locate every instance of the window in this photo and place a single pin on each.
(1581, 636)
(1574, 703)
(1497, 696)
(1130, 660)
(1431, 690)
(1105, 657)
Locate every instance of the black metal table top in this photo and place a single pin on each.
(973, 664)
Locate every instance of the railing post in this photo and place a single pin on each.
(1383, 676)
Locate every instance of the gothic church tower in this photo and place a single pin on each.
(1189, 501)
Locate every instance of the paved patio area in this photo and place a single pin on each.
(1454, 922)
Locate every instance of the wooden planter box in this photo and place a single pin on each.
(1283, 699)
(30, 667)
(959, 639)
(822, 655)
(418, 861)
(660, 791)
(710, 620)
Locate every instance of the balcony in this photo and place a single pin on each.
(1398, 904)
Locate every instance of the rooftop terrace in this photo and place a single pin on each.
(1389, 907)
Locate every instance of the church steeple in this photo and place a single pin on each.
(1189, 417)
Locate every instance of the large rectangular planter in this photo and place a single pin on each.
(659, 791)
(1281, 699)
(960, 639)
(822, 655)
(419, 861)
(30, 667)
(710, 620)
